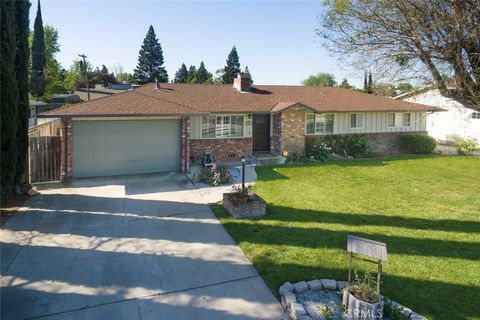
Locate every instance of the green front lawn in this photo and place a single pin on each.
(427, 210)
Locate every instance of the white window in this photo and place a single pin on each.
(398, 119)
(476, 115)
(226, 126)
(356, 120)
(319, 123)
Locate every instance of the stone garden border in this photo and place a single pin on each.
(296, 311)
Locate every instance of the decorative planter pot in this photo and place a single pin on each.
(356, 309)
(253, 207)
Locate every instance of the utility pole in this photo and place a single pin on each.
(85, 71)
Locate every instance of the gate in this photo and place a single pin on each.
(45, 158)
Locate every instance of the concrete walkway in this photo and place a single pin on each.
(215, 194)
(133, 247)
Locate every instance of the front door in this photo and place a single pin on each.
(261, 132)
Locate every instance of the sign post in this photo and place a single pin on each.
(359, 248)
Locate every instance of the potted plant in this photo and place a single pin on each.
(241, 194)
(242, 202)
(361, 301)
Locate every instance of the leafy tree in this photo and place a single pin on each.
(404, 88)
(409, 38)
(192, 74)
(345, 84)
(76, 75)
(203, 76)
(232, 68)
(125, 77)
(150, 60)
(103, 77)
(320, 80)
(8, 98)
(181, 76)
(71, 80)
(370, 83)
(384, 89)
(37, 80)
(218, 76)
(247, 74)
(53, 82)
(22, 8)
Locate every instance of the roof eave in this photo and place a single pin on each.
(118, 115)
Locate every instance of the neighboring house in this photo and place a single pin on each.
(458, 121)
(34, 106)
(101, 92)
(58, 100)
(66, 98)
(166, 127)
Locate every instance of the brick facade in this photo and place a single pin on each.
(222, 149)
(67, 142)
(292, 130)
(381, 142)
(275, 144)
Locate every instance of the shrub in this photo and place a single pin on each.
(354, 145)
(240, 193)
(363, 288)
(215, 175)
(465, 147)
(295, 157)
(318, 152)
(419, 143)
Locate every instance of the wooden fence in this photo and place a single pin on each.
(51, 128)
(45, 158)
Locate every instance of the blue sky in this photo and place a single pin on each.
(276, 40)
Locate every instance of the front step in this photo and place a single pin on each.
(266, 159)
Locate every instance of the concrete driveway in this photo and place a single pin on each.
(133, 247)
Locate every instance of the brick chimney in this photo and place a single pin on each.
(242, 83)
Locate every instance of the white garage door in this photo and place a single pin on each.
(106, 148)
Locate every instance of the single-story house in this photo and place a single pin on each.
(37, 107)
(99, 91)
(459, 121)
(165, 127)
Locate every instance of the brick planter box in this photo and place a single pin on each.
(253, 208)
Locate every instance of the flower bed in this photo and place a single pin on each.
(252, 207)
(322, 300)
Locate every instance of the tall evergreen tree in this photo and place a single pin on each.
(22, 8)
(232, 68)
(247, 74)
(192, 74)
(370, 83)
(150, 60)
(203, 76)
(181, 76)
(37, 81)
(8, 98)
(345, 84)
(365, 82)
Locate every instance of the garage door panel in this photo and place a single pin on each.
(102, 148)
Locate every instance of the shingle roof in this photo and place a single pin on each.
(184, 99)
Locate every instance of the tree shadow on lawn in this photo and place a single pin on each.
(435, 299)
(301, 215)
(307, 237)
(440, 299)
